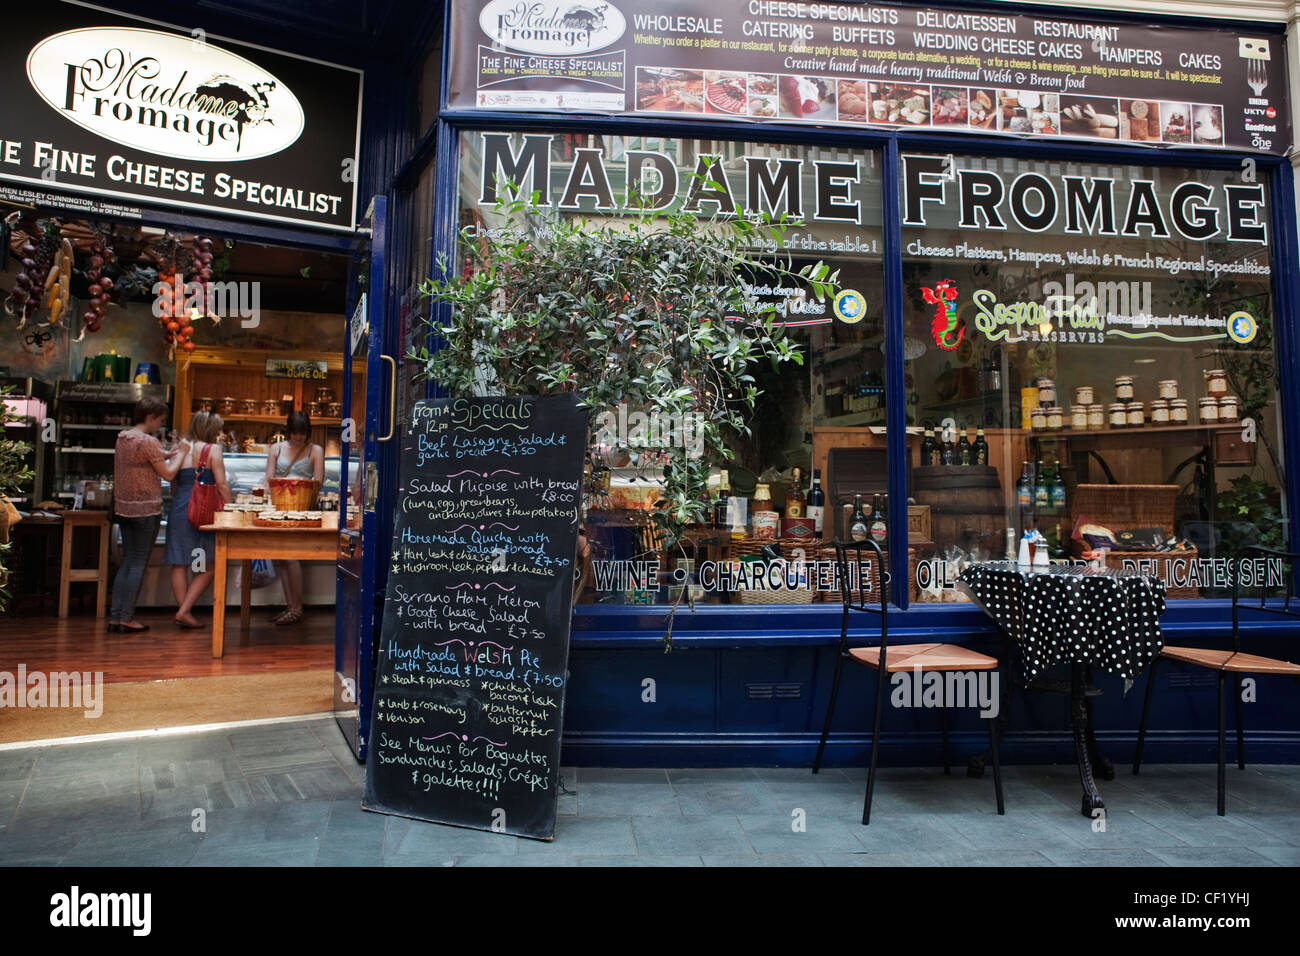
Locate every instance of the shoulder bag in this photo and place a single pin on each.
(205, 499)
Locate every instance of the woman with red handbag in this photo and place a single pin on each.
(199, 489)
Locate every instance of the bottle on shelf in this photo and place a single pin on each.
(981, 454)
(1025, 488)
(878, 525)
(794, 499)
(720, 506)
(965, 451)
(928, 451)
(1042, 493)
(858, 523)
(817, 502)
(947, 454)
(1058, 489)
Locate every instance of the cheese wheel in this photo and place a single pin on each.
(1138, 109)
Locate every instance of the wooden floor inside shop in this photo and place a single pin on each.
(167, 676)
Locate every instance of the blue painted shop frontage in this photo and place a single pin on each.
(1065, 315)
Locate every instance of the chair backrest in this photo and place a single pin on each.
(858, 565)
(1253, 563)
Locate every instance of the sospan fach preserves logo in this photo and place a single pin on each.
(552, 26)
(165, 93)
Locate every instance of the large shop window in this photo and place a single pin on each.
(1107, 331)
(824, 418)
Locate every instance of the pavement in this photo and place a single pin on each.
(288, 794)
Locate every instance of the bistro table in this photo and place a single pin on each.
(1075, 614)
(246, 542)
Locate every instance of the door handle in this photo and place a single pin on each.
(392, 398)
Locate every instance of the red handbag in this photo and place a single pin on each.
(205, 499)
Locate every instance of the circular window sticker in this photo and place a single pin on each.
(850, 307)
(1242, 327)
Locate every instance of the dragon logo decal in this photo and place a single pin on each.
(947, 334)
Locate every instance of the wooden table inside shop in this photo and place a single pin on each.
(244, 543)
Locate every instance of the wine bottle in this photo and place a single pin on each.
(794, 499)
(981, 448)
(1042, 490)
(878, 527)
(928, 456)
(720, 506)
(858, 523)
(817, 502)
(965, 453)
(947, 454)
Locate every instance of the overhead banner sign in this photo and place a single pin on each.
(111, 108)
(874, 65)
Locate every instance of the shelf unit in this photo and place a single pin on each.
(31, 400)
(80, 408)
(241, 374)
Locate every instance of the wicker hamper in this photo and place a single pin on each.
(1120, 507)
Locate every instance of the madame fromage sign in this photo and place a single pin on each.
(165, 93)
(549, 27)
(1081, 205)
(98, 104)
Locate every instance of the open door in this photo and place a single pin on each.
(363, 550)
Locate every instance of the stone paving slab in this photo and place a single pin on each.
(289, 794)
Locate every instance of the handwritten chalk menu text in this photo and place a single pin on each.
(475, 643)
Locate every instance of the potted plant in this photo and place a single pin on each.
(650, 312)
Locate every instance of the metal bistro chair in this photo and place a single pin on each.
(1231, 662)
(906, 657)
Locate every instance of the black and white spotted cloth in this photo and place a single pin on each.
(1102, 616)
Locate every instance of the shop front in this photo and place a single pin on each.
(1064, 312)
(214, 222)
(1065, 252)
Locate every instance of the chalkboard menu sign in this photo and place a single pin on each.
(470, 679)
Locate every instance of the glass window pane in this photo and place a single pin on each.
(807, 416)
(1109, 330)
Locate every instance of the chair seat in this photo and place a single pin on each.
(928, 657)
(1230, 661)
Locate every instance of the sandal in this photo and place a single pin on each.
(289, 617)
(186, 625)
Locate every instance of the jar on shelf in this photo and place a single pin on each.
(1079, 418)
(1209, 410)
(1136, 412)
(1178, 411)
(1055, 417)
(1038, 418)
(1124, 388)
(1118, 415)
(1168, 388)
(1096, 416)
(1046, 392)
(228, 406)
(1083, 395)
(250, 406)
(1216, 382)
(271, 406)
(1228, 408)
(1160, 411)
(203, 405)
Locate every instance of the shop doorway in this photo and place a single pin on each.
(272, 336)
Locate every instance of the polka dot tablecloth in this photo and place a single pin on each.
(1061, 614)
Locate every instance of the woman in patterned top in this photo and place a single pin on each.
(295, 458)
(139, 464)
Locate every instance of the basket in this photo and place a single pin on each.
(292, 494)
(232, 519)
(1138, 506)
(1127, 506)
(827, 553)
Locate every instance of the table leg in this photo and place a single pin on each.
(1079, 718)
(245, 594)
(1100, 762)
(219, 597)
(101, 587)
